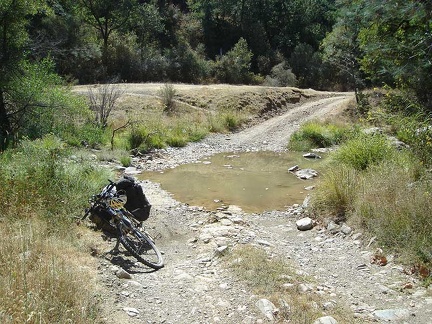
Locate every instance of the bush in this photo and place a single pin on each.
(388, 197)
(281, 76)
(36, 177)
(40, 104)
(126, 161)
(336, 192)
(167, 94)
(87, 134)
(144, 139)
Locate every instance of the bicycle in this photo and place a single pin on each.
(108, 206)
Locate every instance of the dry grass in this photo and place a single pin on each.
(43, 277)
(275, 279)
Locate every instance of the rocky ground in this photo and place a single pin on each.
(196, 287)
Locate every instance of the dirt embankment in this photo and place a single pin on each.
(196, 287)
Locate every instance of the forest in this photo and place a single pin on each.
(319, 44)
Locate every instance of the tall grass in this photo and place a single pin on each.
(167, 94)
(363, 151)
(394, 206)
(42, 273)
(383, 191)
(43, 278)
(336, 192)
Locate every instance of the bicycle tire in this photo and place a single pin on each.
(142, 247)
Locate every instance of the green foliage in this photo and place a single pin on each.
(37, 179)
(394, 205)
(281, 76)
(391, 47)
(87, 134)
(37, 103)
(126, 161)
(337, 191)
(306, 63)
(316, 134)
(397, 44)
(226, 120)
(403, 117)
(175, 131)
(364, 151)
(234, 66)
(340, 47)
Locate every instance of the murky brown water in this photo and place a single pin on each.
(254, 181)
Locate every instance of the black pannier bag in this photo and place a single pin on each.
(101, 218)
(137, 202)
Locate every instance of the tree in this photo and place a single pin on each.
(384, 43)
(13, 40)
(107, 16)
(103, 99)
(397, 45)
(234, 66)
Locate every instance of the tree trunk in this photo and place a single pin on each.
(4, 124)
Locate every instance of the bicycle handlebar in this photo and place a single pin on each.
(99, 198)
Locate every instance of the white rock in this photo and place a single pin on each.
(391, 314)
(267, 308)
(304, 224)
(123, 274)
(346, 229)
(131, 311)
(325, 320)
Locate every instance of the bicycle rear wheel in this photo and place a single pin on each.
(142, 247)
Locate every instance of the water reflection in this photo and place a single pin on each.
(256, 181)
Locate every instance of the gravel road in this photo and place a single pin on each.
(195, 287)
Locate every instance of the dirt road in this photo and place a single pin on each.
(196, 287)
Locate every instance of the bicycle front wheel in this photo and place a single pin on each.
(142, 247)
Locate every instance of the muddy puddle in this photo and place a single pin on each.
(256, 182)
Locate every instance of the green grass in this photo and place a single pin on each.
(364, 151)
(315, 134)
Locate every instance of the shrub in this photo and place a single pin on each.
(37, 177)
(167, 94)
(87, 134)
(281, 76)
(177, 140)
(126, 161)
